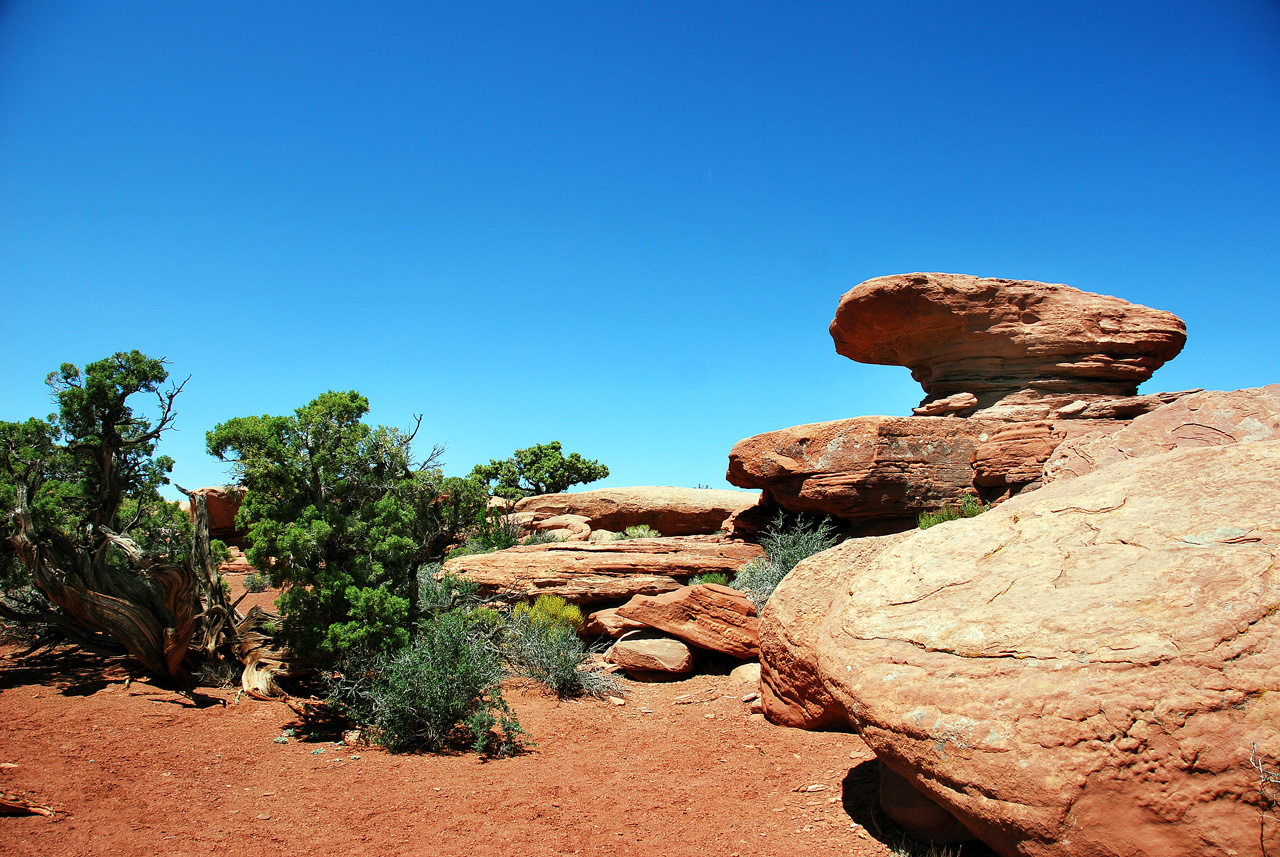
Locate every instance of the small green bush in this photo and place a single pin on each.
(551, 610)
(786, 543)
(255, 582)
(710, 577)
(495, 530)
(969, 507)
(640, 531)
(439, 692)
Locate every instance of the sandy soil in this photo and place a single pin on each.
(134, 768)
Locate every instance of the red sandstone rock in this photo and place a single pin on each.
(993, 337)
(1014, 455)
(708, 616)
(607, 623)
(596, 572)
(864, 468)
(1083, 670)
(792, 690)
(1212, 418)
(670, 511)
(645, 653)
(223, 504)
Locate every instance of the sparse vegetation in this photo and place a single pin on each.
(256, 582)
(640, 531)
(551, 610)
(786, 542)
(541, 537)
(710, 577)
(968, 507)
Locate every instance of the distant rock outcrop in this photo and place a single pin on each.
(670, 511)
(1083, 671)
(601, 572)
(994, 338)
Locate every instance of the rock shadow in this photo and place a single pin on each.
(860, 797)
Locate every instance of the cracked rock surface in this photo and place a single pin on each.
(1082, 670)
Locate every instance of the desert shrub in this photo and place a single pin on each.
(710, 577)
(450, 592)
(786, 543)
(441, 691)
(640, 531)
(256, 582)
(969, 507)
(551, 610)
(551, 653)
(541, 537)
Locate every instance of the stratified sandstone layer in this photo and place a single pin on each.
(670, 511)
(1083, 670)
(709, 616)
(865, 468)
(1208, 418)
(601, 572)
(992, 337)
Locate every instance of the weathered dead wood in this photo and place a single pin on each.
(265, 661)
(155, 609)
(12, 804)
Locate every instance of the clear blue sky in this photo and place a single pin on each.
(620, 225)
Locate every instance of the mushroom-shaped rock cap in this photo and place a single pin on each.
(963, 334)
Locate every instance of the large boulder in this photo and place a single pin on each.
(709, 616)
(993, 338)
(1208, 418)
(865, 468)
(670, 511)
(600, 572)
(791, 688)
(1085, 670)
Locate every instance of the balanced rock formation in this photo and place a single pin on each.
(1084, 670)
(670, 511)
(709, 616)
(994, 338)
(647, 655)
(1209, 418)
(600, 572)
(865, 468)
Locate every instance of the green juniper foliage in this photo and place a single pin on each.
(344, 516)
(539, 469)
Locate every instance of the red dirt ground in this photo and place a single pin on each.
(136, 769)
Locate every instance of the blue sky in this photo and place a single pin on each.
(624, 226)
